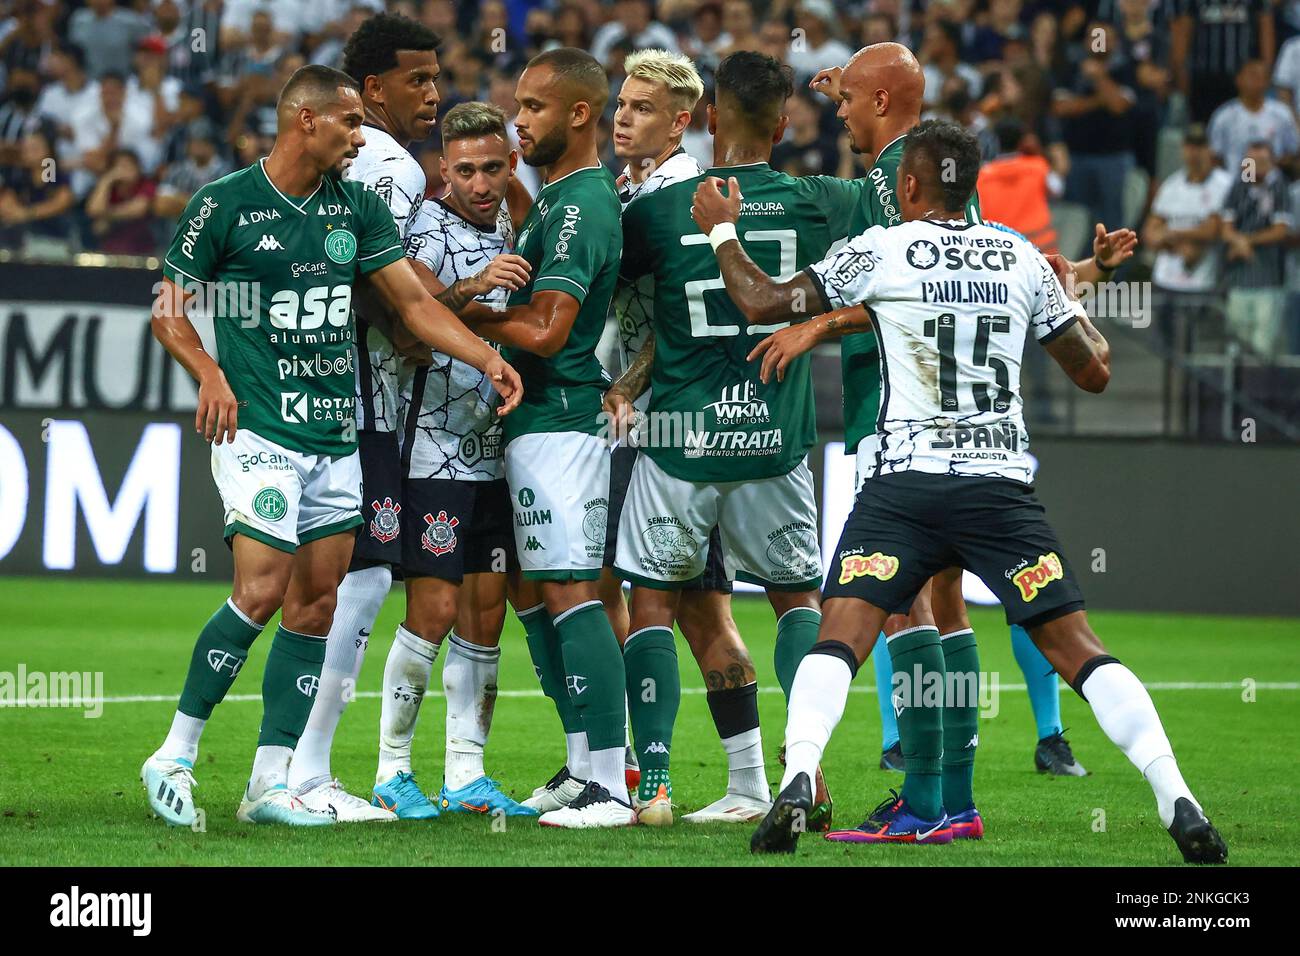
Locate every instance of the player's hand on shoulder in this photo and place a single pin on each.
(217, 417)
(781, 348)
(507, 383)
(709, 206)
(506, 271)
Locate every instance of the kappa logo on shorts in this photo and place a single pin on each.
(270, 503)
(385, 525)
(882, 567)
(532, 544)
(440, 535)
(1035, 577)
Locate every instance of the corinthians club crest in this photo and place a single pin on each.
(385, 525)
(440, 535)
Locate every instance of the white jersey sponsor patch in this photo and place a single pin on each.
(954, 303)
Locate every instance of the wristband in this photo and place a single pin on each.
(722, 232)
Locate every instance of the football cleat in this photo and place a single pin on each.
(778, 832)
(278, 805)
(347, 807)
(631, 769)
(558, 792)
(892, 759)
(732, 808)
(169, 785)
(592, 808)
(481, 796)
(655, 812)
(894, 822)
(819, 818)
(1195, 835)
(1053, 755)
(402, 795)
(967, 825)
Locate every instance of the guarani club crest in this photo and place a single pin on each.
(385, 525)
(440, 535)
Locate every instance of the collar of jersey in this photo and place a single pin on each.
(261, 165)
(763, 165)
(582, 169)
(627, 169)
(885, 148)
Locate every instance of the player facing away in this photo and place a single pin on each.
(953, 302)
(395, 62)
(291, 236)
(719, 447)
(556, 462)
(458, 543)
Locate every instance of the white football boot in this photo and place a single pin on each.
(731, 808)
(347, 807)
(655, 812)
(169, 785)
(557, 793)
(594, 808)
(278, 805)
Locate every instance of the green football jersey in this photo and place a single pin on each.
(277, 274)
(859, 353)
(711, 419)
(572, 238)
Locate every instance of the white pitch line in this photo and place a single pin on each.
(371, 694)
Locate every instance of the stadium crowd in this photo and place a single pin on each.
(1177, 117)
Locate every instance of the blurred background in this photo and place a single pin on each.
(1176, 118)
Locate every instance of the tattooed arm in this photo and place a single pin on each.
(782, 347)
(1084, 354)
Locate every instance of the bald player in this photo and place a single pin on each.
(556, 461)
(278, 408)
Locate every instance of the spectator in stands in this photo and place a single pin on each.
(1250, 118)
(1096, 108)
(879, 27)
(158, 93)
(634, 22)
(1016, 187)
(1257, 223)
(809, 147)
(69, 93)
(108, 34)
(1183, 230)
(1003, 24)
(34, 201)
(742, 29)
(17, 114)
(237, 18)
(31, 39)
(816, 46)
(570, 28)
(250, 62)
(706, 39)
(202, 164)
(941, 59)
(492, 40)
(1210, 41)
(101, 128)
(120, 208)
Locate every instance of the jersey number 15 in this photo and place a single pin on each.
(943, 329)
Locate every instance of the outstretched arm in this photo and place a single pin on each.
(782, 347)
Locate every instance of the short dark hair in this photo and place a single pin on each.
(756, 85)
(315, 83)
(578, 70)
(372, 48)
(1010, 131)
(473, 119)
(945, 159)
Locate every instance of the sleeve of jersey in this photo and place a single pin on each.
(575, 240)
(847, 277)
(838, 198)
(1054, 311)
(379, 244)
(197, 246)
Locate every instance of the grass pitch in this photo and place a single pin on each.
(70, 792)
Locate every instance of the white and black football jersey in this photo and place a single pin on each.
(633, 303)
(389, 169)
(954, 303)
(448, 409)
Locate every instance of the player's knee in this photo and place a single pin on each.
(431, 615)
(783, 601)
(258, 599)
(482, 626)
(312, 616)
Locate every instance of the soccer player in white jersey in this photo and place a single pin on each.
(659, 93)
(458, 541)
(395, 61)
(953, 303)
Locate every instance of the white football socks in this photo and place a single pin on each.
(578, 755)
(270, 769)
(406, 677)
(1127, 716)
(469, 679)
(361, 594)
(745, 771)
(817, 698)
(607, 770)
(182, 741)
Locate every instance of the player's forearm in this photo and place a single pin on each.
(634, 382)
(519, 326)
(437, 327)
(758, 296)
(178, 336)
(459, 294)
(841, 322)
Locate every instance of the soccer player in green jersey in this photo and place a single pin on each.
(719, 447)
(285, 237)
(557, 462)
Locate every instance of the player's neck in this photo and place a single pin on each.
(740, 153)
(376, 117)
(290, 172)
(640, 168)
(575, 159)
(891, 131)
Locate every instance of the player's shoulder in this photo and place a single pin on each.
(587, 192)
(677, 168)
(233, 186)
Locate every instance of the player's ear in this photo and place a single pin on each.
(581, 114)
(781, 124)
(442, 167)
(711, 112)
(882, 102)
(681, 121)
(514, 161)
(374, 88)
